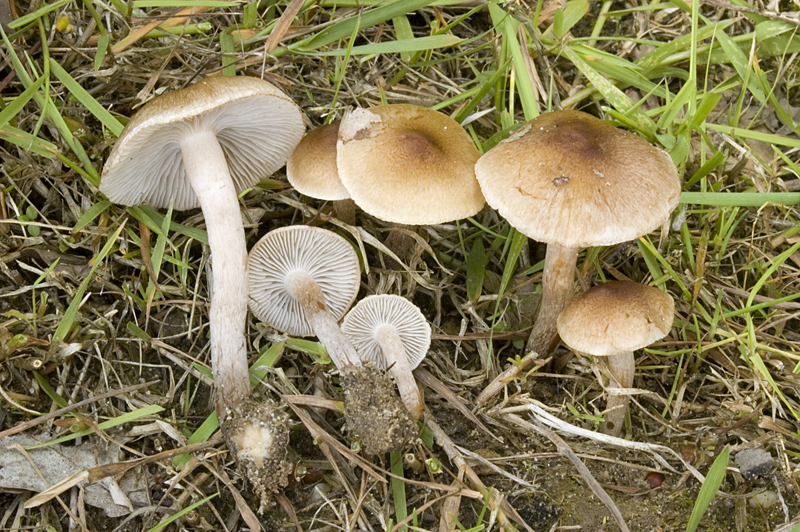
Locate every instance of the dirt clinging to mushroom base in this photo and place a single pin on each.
(375, 414)
(258, 437)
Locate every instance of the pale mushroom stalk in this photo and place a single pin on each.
(392, 332)
(208, 173)
(572, 181)
(558, 286)
(621, 367)
(612, 320)
(400, 369)
(302, 287)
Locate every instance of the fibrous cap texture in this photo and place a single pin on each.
(569, 178)
(408, 164)
(616, 317)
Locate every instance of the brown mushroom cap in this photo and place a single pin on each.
(569, 178)
(408, 164)
(311, 169)
(256, 125)
(616, 317)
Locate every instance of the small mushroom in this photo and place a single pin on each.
(312, 171)
(302, 280)
(613, 320)
(409, 165)
(200, 147)
(392, 332)
(572, 181)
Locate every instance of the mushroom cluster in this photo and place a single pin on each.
(566, 179)
(572, 181)
(301, 281)
(401, 163)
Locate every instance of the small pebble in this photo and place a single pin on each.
(654, 479)
(765, 499)
(754, 463)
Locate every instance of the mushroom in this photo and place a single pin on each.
(572, 181)
(392, 332)
(301, 281)
(407, 164)
(312, 171)
(201, 146)
(613, 320)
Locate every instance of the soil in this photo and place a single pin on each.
(375, 415)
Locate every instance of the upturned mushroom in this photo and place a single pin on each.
(408, 165)
(572, 181)
(301, 281)
(613, 320)
(200, 147)
(392, 332)
(312, 171)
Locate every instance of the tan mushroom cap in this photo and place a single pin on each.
(311, 169)
(616, 317)
(256, 125)
(408, 164)
(569, 178)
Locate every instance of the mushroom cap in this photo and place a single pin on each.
(311, 168)
(569, 178)
(616, 317)
(408, 164)
(361, 325)
(256, 125)
(325, 256)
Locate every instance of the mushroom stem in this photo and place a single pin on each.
(345, 210)
(207, 170)
(307, 292)
(397, 362)
(558, 286)
(621, 367)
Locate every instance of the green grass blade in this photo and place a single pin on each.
(111, 423)
(740, 199)
(86, 99)
(169, 520)
(29, 142)
(476, 268)
(392, 47)
(716, 474)
(72, 311)
(19, 102)
(345, 28)
(398, 489)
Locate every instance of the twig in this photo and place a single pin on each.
(587, 476)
